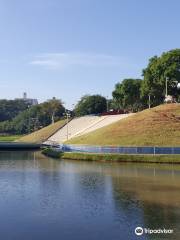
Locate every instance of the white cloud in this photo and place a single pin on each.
(63, 60)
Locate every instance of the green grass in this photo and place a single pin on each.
(159, 126)
(9, 138)
(42, 134)
(52, 153)
(113, 157)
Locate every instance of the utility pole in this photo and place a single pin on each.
(166, 86)
(149, 101)
(67, 121)
(67, 114)
(52, 118)
(29, 124)
(107, 104)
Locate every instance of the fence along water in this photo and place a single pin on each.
(121, 150)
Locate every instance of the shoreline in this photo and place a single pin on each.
(16, 146)
(160, 159)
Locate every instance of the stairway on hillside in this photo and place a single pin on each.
(82, 125)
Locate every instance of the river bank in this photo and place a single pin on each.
(175, 159)
(17, 146)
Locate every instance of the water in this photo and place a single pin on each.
(43, 198)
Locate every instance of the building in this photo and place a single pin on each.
(169, 99)
(30, 101)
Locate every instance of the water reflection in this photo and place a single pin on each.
(43, 198)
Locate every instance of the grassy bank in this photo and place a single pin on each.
(159, 126)
(9, 138)
(114, 157)
(43, 134)
(52, 153)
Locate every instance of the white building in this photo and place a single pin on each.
(30, 101)
(169, 99)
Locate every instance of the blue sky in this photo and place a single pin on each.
(68, 48)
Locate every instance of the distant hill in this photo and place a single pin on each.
(159, 126)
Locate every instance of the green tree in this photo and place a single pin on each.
(90, 104)
(127, 94)
(11, 108)
(34, 118)
(158, 69)
(54, 108)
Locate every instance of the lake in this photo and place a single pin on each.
(44, 198)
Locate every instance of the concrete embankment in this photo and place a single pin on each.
(18, 146)
(83, 125)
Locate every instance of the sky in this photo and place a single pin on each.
(69, 48)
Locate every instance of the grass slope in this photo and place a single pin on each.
(159, 126)
(9, 138)
(42, 134)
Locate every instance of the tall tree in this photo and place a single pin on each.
(11, 108)
(167, 66)
(54, 107)
(93, 104)
(127, 94)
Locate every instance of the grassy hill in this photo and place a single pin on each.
(42, 134)
(159, 126)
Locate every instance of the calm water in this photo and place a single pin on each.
(42, 198)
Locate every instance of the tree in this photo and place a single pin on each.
(158, 69)
(34, 118)
(54, 108)
(90, 104)
(11, 108)
(127, 94)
